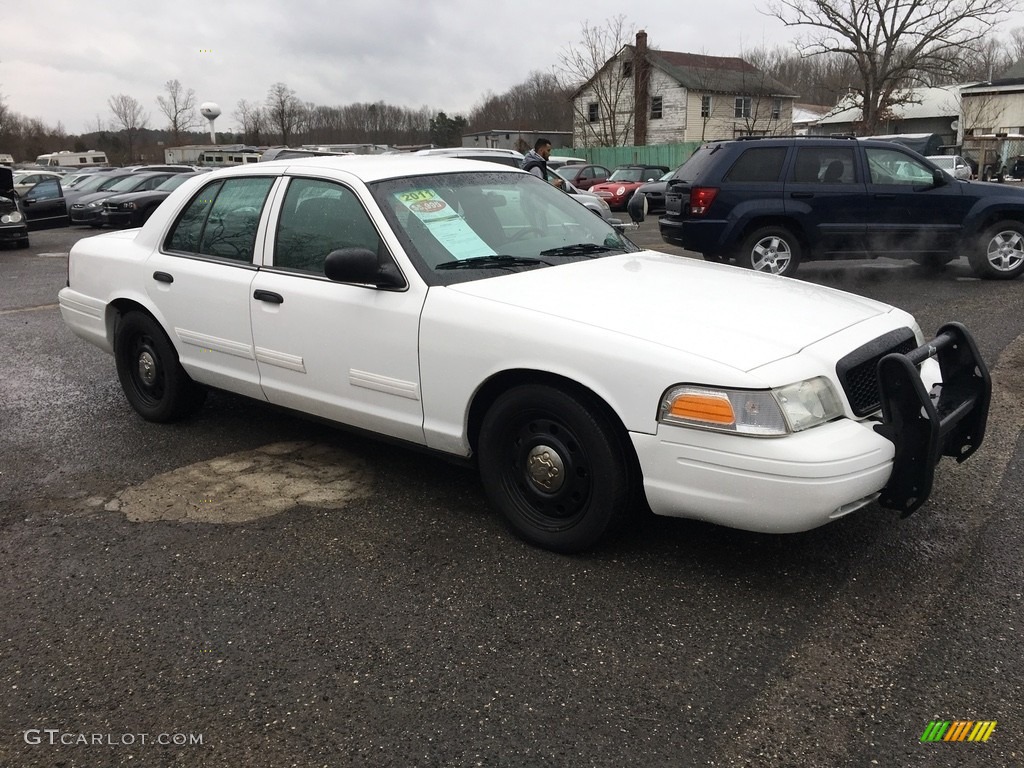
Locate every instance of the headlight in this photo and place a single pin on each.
(765, 413)
(603, 203)
(620, 191)
(127, 206)
(94, 205)
(11, 218)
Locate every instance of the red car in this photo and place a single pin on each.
(624, 181)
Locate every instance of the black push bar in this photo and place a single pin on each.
(924, 426)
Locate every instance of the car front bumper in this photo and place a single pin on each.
(84, 215)
(807, 479)
(117, 218)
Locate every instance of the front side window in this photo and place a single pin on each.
(743, 106)
(221, 219)
(890, 166)
(319, 217)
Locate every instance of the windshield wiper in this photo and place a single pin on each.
(489, 262)
(580, 249)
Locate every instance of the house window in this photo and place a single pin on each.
(776, 109)
(742, 106)
(627, 69)
(705, 106)
(656, 108)
(592, 112)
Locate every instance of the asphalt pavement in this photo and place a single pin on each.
(250, 588)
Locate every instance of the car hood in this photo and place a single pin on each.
(609, 185)
(91, 197)
(124, 197)
(739, 318)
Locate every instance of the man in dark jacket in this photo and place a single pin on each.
(536, 160)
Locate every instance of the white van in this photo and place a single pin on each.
(72, 159)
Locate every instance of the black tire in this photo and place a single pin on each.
(153, 380)
(999, 252)
(579, 486)
(770, 249)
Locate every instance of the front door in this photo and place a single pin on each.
(908, 213)
(348, 353)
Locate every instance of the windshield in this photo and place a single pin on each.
(628, 174)
(469, 226)
(127, 184)
(173, 182)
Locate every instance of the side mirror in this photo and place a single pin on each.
(360, 265)
(939, 178)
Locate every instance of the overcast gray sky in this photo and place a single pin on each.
(62, 60)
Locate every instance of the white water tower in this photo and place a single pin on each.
(211, 112)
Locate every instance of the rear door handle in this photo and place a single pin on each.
(268, 296)
(163, 277)
(881, 196)
(801, 194)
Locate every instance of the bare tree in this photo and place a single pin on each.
(252, 119)
(283, 110)
(894, 44)
(590, 71)
(179, 107)
(130, 118)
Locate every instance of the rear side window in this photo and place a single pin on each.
(221, 220)
(758, 164)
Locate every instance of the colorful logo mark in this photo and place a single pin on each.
(958, 730)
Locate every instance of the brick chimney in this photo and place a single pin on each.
(641, 89)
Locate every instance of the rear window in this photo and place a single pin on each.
(696, 166)
(758, 164)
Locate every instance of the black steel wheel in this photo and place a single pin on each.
(153, 380)
(555, 465)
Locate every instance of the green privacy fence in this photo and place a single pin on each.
(669, 155)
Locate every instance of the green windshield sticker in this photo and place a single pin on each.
(445, 224)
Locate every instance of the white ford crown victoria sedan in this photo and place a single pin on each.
(481, 313)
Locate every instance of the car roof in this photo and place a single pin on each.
(369, 168)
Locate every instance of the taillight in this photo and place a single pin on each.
(701, 199)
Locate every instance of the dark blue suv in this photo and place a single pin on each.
(770, 203)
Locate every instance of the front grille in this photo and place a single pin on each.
(857, 371)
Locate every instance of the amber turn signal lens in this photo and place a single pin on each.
(694, 407)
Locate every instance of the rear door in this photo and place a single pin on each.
(824, 192)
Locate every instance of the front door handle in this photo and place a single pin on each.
(163, 277)
(268, 296)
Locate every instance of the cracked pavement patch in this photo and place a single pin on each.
(247, 485)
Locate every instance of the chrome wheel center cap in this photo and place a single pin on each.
(545, 468)
(147, 368)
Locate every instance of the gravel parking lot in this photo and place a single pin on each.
(250, 588)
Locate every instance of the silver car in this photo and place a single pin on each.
(954, 165)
